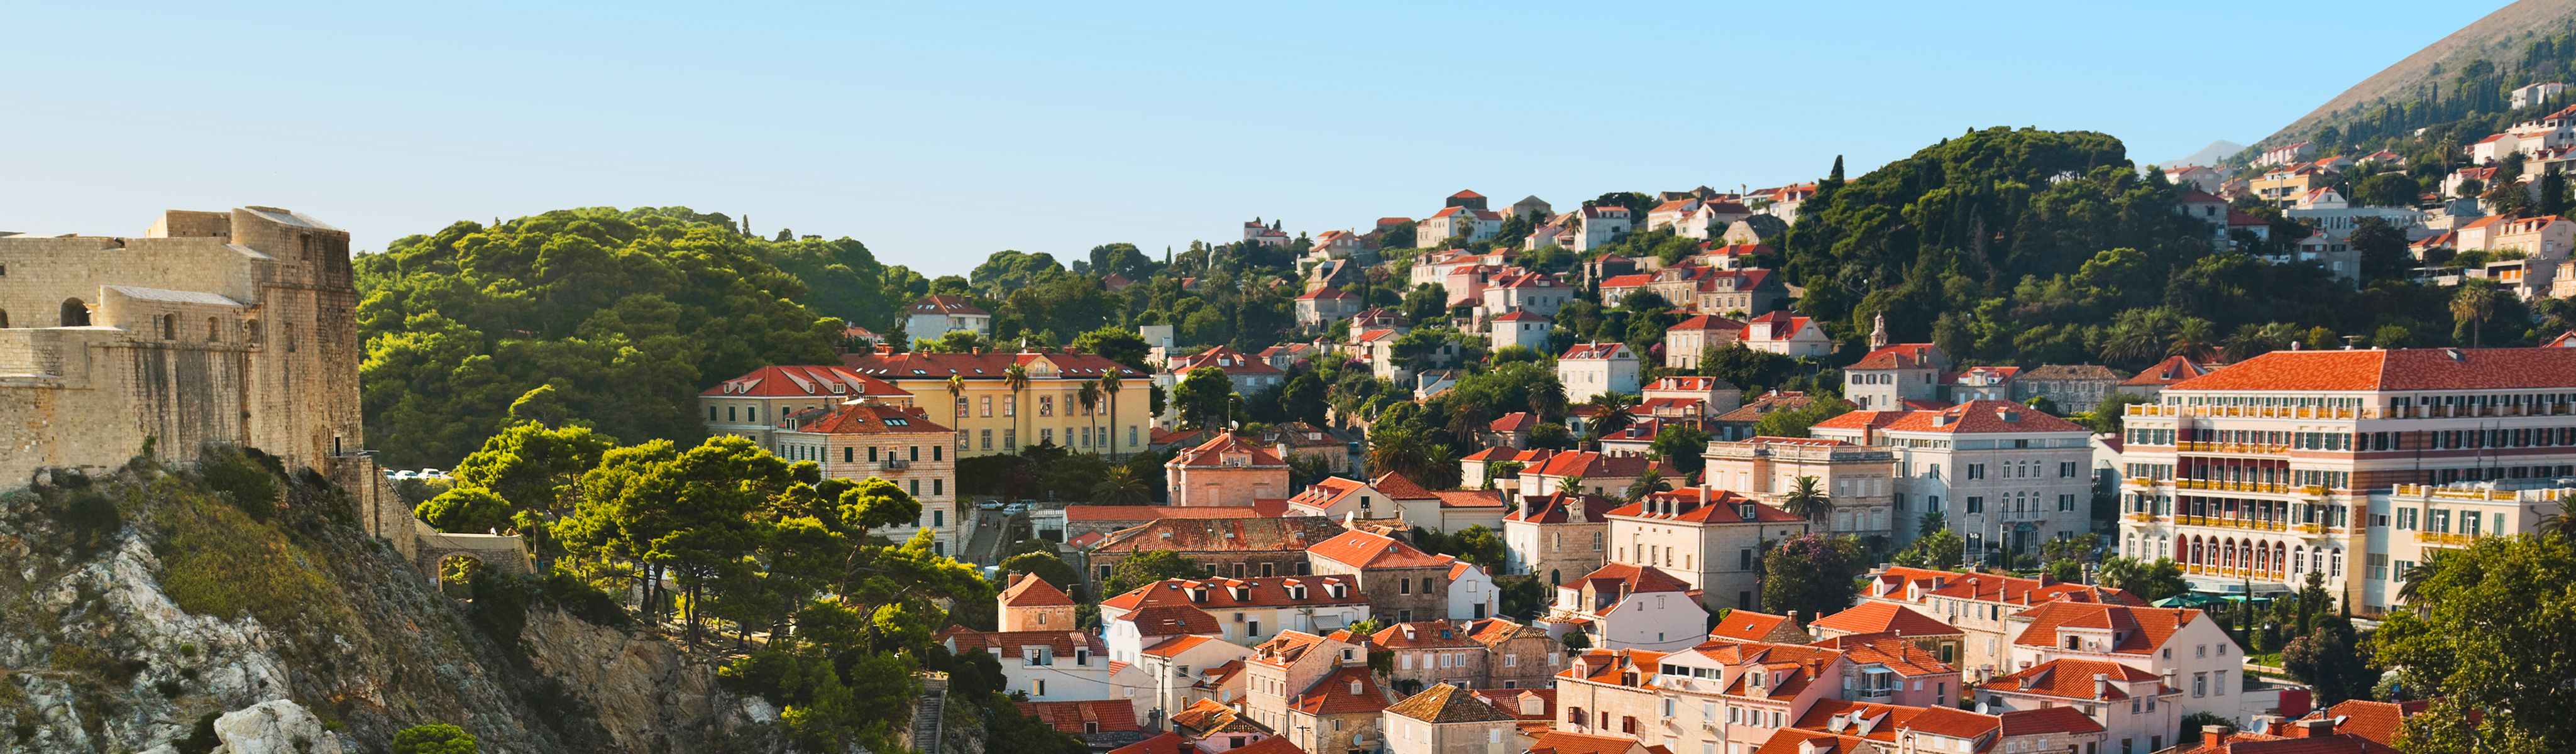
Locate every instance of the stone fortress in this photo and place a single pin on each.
(225, 328)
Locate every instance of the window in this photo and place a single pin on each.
(961, 407)
(1976, 504)
(1010, 405)
(988, 412)
(1976, 471)
(988, 438)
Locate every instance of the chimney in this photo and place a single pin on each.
(1793, 618)
(2101, 685)
(2213, 732)
(2318, 727)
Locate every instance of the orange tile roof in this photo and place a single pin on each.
(1427, 634)
(1899, 655)
(2376, 721)
(1897, 356)
(1175, 645)
(1396, 487)
(1143, 513)
(1563, 742)
(1109, 715)
(2031, 722)
(988, 365)
(2068, 678)
(1747, 625)
(1881, 617)
(1027, 590)
(2405, 369)
(1360, 549)
(1334, 694)
(1171, 620)
(1012, 642)
(873, 419)
(1168, 743)
(2144, 628)
(1455, 499)
(1558, 507)
(1190, 535)
(1983, 417)
(1444, 703)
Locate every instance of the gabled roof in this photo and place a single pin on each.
(2137, 630)
(1517, 421)
(1707, 323)
(1901, 656)
(1898, 356)
(2376, 721)
(2063, 720)
(803, 381)
(1276, 591)
(1397, 487)
(2000, 588)
(946, 305)
(1469, 498)
(870, 418)
(1334, 693)
(987, 365)
(1168, 743)
(1147, 513)
(1597, 351)
(1192, 535)
(1521, 315)
(2404, 369)
(1326, 292)
(1562, 742)
(1638, 579)
(1177, 621)
(1360, 549)
(1591, 465)
(1558, 508)
(2072, 372)
(1211, 454)
(1012, 643)
(1027, 590)
(1987, 417)
(1225, 359)
(1077, 717)
(1870, 617)
(1747, 625)
(2068, 678)
(1448, 704)
(1700, 505)
(2172, 370)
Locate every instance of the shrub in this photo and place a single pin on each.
(434, 738)
(242, 478)
(201, 738)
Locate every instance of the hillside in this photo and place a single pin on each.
(180, 608)
(2498, 38)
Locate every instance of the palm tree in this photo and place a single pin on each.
(1808, 500)
(2473, 305)
(2411, 584)
(1399, 451)
(1017, 379)
(2560, 524)
(2135, 336)
(1089, 395)
(1547, 399)
(2117, 573)
(1648, 483)
(1613, 415)
(1120, 487)
(1109, 384)
(957, 392)
(2192, 337)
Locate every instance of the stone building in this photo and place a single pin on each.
(1517, 656)
(212, 328)
(1557, 535)
(1445, 719)
(1290, 687)
(993, 417)
(1431, 653)
(2073, 387)
(1032, 604)
(1402, 583)
(1710, 539)
(1860, 480)
(757, 403)
(1243, 548)
(1227, 470)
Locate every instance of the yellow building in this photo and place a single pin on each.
(993, 417)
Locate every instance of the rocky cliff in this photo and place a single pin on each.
(231, 607)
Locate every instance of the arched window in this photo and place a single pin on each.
(4, 319)
(169, 326)
(75, 313)
(214, 330)
(290, 337)
(250, 330)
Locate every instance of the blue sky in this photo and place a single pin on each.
(939, 134)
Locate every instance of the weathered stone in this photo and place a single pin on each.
(276, 726)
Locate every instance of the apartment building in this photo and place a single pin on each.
(1860, 480)
(2182, 647)
(2291, 462)
(1624, 606)
(1244, 611)
(1979, 606)
(1710, 539)
(1557, 535)
(1590, 369)
(2006, 477)
(995, 413)
(863, 439)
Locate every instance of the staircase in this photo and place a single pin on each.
(927, 712)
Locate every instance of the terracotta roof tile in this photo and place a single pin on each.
(1346, 690)
(1881, 617)
(1445, 703)
(1027, 590)
(1262, 592)
(2405, 369)
(1191, 535)
(1087, 716)
(1361, 549)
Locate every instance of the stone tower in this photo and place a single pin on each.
(1878, 331)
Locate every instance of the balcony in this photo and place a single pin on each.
(2455, 539)
(2216, 522)
(2221, 485)
(2230, 448)
(2143, 518)
(894, 464)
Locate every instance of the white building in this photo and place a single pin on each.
(2180, 646)
(1519, 328)
(2005, 476)
(2137, 709)
(934, 316)
(1600, 225)
(1624, 606)
(1590, 369)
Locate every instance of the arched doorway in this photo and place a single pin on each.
(75, 313)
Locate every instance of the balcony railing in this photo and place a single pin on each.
(2223, 485)
(2144, 518)
(2474, 494)
(894, 464)
(2445, 538)
(2235, 448)
(2401, 412)
(2216, 522)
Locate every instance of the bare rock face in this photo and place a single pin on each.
(276, 726)
(646, 694)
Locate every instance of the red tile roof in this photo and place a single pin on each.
(1881, 617)
(989, 365)
(1897, 356)
(1174, 645)
(1422, 634)
(1027, 590)
(1900, 655)
(803, 381)
(1012, 642)
(1590, 465)
(1326, 292)
(1225, 359)
(1521, 315)
(1985, 417)
(1142, 513)
(1261, 592)
(1168, 743)
(2405, 369)
(1268, 745)
(1211, 454)
(1469, 498)
(1558, 507)
(2376, 721)
(1861, 420)
(1517, 421)
(2006, 589)
(1638, 579)
(1197, 535)
(1701, 506)
(874, 419)
(1562, 742)
(1171, 620)
(1598, 351)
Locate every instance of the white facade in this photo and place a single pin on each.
(1590, 369)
